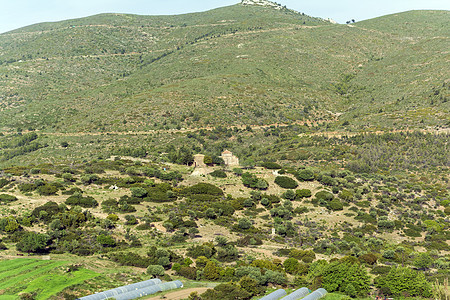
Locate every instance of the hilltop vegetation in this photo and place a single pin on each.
(237, 65)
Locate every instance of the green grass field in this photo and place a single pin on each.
(45, 278)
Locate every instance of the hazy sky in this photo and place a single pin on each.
(18, 13)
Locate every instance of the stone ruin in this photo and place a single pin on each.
(199, 161)
(229, 159)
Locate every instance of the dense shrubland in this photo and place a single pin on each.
(355, 245)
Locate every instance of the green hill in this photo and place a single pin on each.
(235, 65)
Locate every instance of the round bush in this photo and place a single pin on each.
(305, 175)
(218, 174)
(271, 165)
(7, 198)
(155, 270)
(286, 182)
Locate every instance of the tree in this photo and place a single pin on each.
(346, 277)
(33, 242)
(155, 270)
(244, 223)
(106, 240)
(210, 272)
(423, 261)
(403, 281)
(291, 265)
(286, 182)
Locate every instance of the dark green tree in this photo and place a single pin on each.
(33, 242)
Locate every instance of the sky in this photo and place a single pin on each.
(18, 13)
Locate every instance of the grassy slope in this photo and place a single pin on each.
(233, 65)
(44, 277)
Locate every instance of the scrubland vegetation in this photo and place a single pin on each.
(341, 133)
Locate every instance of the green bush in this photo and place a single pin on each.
(138, 192)
(252, 181)
(335, 205)
(106, 240)
(271, 165)
(218, 174)
(291, 265)
(47, 190)
(346, 277)
(305, 175)
(302, 193)
(131, 259)
(77, 199)
(203, 188)
(33, 242)
(3, 182)
(7, 198)
(402, 281)
(155, 270)
(286, 182)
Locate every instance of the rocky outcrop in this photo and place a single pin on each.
(265, 3)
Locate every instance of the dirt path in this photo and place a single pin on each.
(253, 127)
(179, 294)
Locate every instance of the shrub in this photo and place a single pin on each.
(346, 277)
(3, 182)
(324, 196)
(210, 272)
(237, 171)
(188, 272)
(155, 270)
(106, 240)
(131, 259)
(27, 187)
(335, 205)
(203, 188)
(302, 193)
(368, 258)
(130, 220)
(7, 198)
(33, 242)
(68, 177)
(226, 291)
(244, 223)
(305, 175)
(218, 174)
(47, 190)
(271, 165)
(286, 182)
(138, 192)
(46, 211)
(251, 181)
(402, 281)
(291, 265)
(77, 199)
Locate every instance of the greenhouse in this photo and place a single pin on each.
(317, 294)
(297, 294)
(135, 290)
(275, 295)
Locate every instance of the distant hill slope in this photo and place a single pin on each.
(234, 65)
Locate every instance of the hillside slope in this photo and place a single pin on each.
(236, 65)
